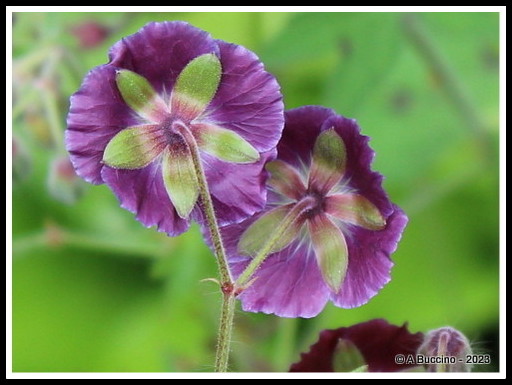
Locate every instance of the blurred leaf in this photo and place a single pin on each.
(105, 314)
(359, 47)
(64, 307)
(306, 37)
(399, 117)
(369, 44)
(470, 43)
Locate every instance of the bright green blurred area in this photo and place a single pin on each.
(93, 290)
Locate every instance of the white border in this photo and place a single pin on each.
(502, 190)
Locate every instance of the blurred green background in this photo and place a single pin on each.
(94, 291)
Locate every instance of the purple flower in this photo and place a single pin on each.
(172, 101)
(328, 226)
(375, 343)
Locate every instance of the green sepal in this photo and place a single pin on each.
(330, 249)
(285, 179)
(264, 228)
(196, 85)
(139, 94)
(180, 178)
(355, 209)
(134, 147)
(224, 144)
(328, 161)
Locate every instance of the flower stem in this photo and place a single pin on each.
(295, 213)
(226, 281)
(225, 329)
(208, 209)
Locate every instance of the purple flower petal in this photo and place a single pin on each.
(368, 271)
(288, 284)
(360, 156)
(304, 124)
(369, 261)
(302, 128)
(377, 340)
(238, 190)
(248, 100)
(143, 192)
(97, 113)
(160, 51)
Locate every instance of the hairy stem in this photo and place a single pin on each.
(208, 209)
(226, 281)
(294, 214)
(225, 329)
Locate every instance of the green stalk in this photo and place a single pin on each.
(208, 209)
(227, 315)
(226, 281)
(294, 214)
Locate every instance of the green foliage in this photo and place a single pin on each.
(93, 290)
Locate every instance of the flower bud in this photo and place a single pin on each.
(445, 350)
